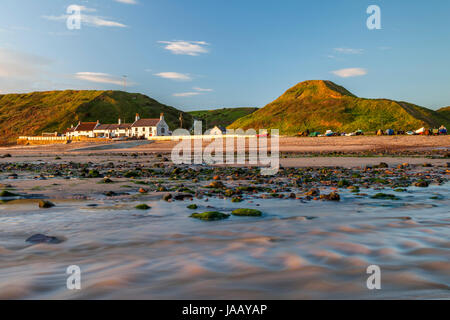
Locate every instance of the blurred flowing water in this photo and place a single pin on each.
(296, 250)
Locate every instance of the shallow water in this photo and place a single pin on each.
(297, 250)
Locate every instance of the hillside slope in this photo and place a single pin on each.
(445, 113)
(320, 105)
(37, 112)
(221, 117)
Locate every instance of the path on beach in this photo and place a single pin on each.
(114, 146)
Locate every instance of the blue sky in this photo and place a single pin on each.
(202, 54)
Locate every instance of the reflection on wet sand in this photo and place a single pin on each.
(294, 251)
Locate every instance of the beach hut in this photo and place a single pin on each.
(314, 134)
(389, 132)
(329, 133)
(442, 130)
(380, 132)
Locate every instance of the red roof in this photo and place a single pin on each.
(146, 123)
(86, 126)
(104, 127)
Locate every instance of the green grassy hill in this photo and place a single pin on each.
(445, 113)
(37, 112)
(221, 117)
(320, 105)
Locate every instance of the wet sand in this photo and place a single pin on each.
(302, 247)
(319, 145)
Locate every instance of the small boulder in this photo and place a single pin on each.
(331, 197)
(142, 190)
(167, 197)
(313, 192)
(182, 196)
(421, 184)
(216, 185)
(40, 238)
(44, 204)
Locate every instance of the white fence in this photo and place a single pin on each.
(44, 138)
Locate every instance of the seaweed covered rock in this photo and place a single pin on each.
(6, 194)
(210, 216)
(143, 207)
(246, 213)
(385, 196)
(343, 183)
(93, 174)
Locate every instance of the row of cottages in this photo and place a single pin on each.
(140, 128)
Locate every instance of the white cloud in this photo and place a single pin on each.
(202, 89)
(191, 48)
(350, 72)
(349, 50)
(89, 20)
(186, 94)
(174, 76)
(198, 91)
(99, 77)
(127, 1)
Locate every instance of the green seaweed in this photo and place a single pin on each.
(247, 212)
(385, 196)
(210, 216)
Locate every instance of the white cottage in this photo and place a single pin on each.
(146, 128)
(113, 130)
(216, 131)
(83, 129)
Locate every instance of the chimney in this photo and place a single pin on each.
(120, 121)
(137, 117)
(161, 117)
